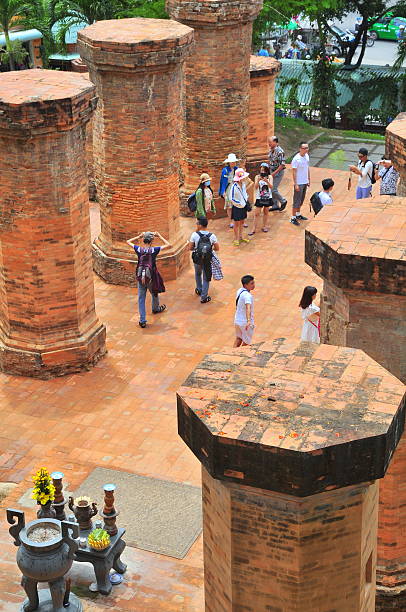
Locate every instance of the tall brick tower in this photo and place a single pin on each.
(217, 82)
(358, 249)
(292, 437)
(137, 67)
(396, 149)
(48, 324)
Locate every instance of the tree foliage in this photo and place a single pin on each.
(325, 11)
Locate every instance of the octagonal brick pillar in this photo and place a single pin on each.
(358, 248)
(217, 84)
(137, 67)
(48, 323)
(261, 120)
(292, 437)
(395, 149)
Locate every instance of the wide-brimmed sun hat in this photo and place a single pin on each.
(204, 177)
(240, 174)
(231, 158)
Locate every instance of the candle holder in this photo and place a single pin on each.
(109, 513)
(59, 501)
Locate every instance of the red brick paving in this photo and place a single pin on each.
(122, 414)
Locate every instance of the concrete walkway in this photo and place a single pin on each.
(342, 153)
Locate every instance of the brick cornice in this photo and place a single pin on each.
(136, 44)
(35, 102)
(204, 13)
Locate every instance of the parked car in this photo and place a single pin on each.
(387, 27)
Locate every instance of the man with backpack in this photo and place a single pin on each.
(365, 169)
(323, 197)
(202, 244)
(148, 277)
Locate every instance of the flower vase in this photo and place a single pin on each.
(46, 510)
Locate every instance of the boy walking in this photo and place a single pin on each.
(202, 244)
(301, 181)
(244, 312)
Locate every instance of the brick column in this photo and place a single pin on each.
(217, 83)
(396, 149)
(261, 120)
(48, 324)
(357, 248)
(292, 437)
(137, 67)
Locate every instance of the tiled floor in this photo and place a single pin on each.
(122, 414)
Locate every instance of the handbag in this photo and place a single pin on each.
(216, 270)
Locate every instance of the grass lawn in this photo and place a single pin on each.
(292, 131)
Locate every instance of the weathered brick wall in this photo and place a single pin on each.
(217, 84)
(395, 149)
(358, 250)
(289, 554)
(391, 568)
(138, 72)
(261, 120)
(48, 324)
(370, 321)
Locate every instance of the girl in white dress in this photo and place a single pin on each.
(310, 315)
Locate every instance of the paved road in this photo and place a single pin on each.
(383, 53)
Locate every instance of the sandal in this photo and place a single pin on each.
(160, 309)
(198, 292)
(231, 225)
(236, 243)
(264, 229)
(206, 299)
(245, 240)
(251, 233)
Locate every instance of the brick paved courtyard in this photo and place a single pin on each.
(122, 414)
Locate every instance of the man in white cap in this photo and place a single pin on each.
(226, 182)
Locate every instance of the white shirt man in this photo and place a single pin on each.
(301, 181)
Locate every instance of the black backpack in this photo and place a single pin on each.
(203, 253)
(374, 168)
(145, 266)
(192, 203)
(316, 202)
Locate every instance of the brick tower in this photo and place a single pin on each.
(217, 83)
(137, 67)
(261, 121)
(358, 249)
(291, 437)
(48, 324)
(396, 149)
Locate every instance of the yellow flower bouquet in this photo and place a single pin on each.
(44, 490)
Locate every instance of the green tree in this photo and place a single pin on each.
(147, 8)
(42, 15)
(280, 11)
(9, 10)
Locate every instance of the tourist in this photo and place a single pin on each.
(202, 244)
(301, 181)
(263, 51)
(310, 315)
(263, 197)
(240, 205)
(204, 197)
(364, 170)
(325, 194)
(244, 312)
(388, 176)
(226, 182)
(148, 277)
(277, 166)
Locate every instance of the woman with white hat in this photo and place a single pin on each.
(226, 182)
(204, 197)
(239, 199)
